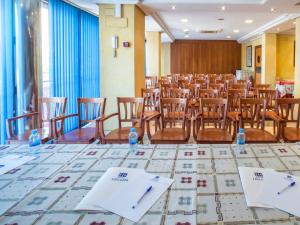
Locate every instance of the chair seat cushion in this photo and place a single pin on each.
(291, 134)
(170, 135)
(214, 135)
(23, 138)
(254, 135)
(120, 135)
(82, 136)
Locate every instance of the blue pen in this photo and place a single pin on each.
(141, 198)
(287, 187)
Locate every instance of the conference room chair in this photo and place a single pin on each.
(89, 111)
(179, 93)
(165, 90)
(202, 82)
(151, 81)
(238, 86)
(42, 120)
(176, 125)
(213, 113)
(252, 113)
(130, 114)
(152, 101)
(220, 87)
(288, 110)
(208, 93)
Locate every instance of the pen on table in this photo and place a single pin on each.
(287, 187)
(141, 198)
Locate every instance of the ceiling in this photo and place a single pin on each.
(184, 19)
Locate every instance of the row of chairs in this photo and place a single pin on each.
(173, 123)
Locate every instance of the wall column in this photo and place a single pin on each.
(297, 59)
(153, 53)
(269, 59)
(165, 59)
(123, 74)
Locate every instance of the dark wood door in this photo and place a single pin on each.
(257, 65)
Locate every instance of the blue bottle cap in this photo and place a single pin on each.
(132, 129)
(35, 131)
(241, 130)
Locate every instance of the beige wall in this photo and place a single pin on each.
(269, 59)
(255, 42)
(122, 75)
(165, 59)
(153, 53)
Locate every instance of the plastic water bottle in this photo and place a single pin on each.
(241, 140)
(133, 139)
(34, 142)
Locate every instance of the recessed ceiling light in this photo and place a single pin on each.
(248, 21)
(220, 19)
(184, 20)
(228, 37)
(173, 7)
(186, 36)
(236, 31)
(186, 30)
(273, 10)
(223, 8)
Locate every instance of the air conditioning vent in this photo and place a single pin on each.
(211, 31)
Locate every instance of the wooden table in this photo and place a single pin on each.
(207, 188)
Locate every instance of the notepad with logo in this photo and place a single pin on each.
(125, 191)
(253, 180)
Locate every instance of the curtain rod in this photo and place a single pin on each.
(77, 6)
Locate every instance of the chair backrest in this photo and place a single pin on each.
(173, 111)
(90, 109)
(271, 97)
(202, 82)
(152, 98)
(289, 110)
(241, 82)
(182, 83)
(234, 96)
(131, 110)
(194, 90)
(262, 86)
(200, 76)
(165, 90)
(238, 86)
(252, 111)
(214, 111)
(150, 81)
(219, 87)
(49, 108)
(208, 93)
(179, 93)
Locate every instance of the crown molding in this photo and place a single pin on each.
(162, 24)
(259, 31)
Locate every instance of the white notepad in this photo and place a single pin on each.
(10, 162)
(288, 200)
(253, 180)
(119, 189)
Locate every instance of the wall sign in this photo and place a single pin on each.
(249, 56)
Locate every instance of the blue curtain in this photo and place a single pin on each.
(74, 55)
(90, 56)
(6, 64)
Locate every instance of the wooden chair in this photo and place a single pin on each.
(238, 86)
(132, 112)
(208, 93)
(173, 111)
(165, 90)
(252, 112)
(219, 87)
(48, 109)
(213, 111)
(262, 86)
(152, 101)
(89, 111)
(202, 82)
(288, 110)
(179, 93)
(150, 81)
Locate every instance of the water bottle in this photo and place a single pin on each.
(241, 140)
(34, 142)
(133, 139)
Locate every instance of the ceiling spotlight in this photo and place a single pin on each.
(273, 10)
(186, 36)
(236, 31)
(220, 19)
(223, 8)
(228, 37)
(184, 20)
(173, 7)
(186, 30)
(248, 21)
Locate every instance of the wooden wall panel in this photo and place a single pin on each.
(201, 56)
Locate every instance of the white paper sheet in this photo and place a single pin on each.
(120, 188)
(253, 180)
(10, 162)
(287, 201)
